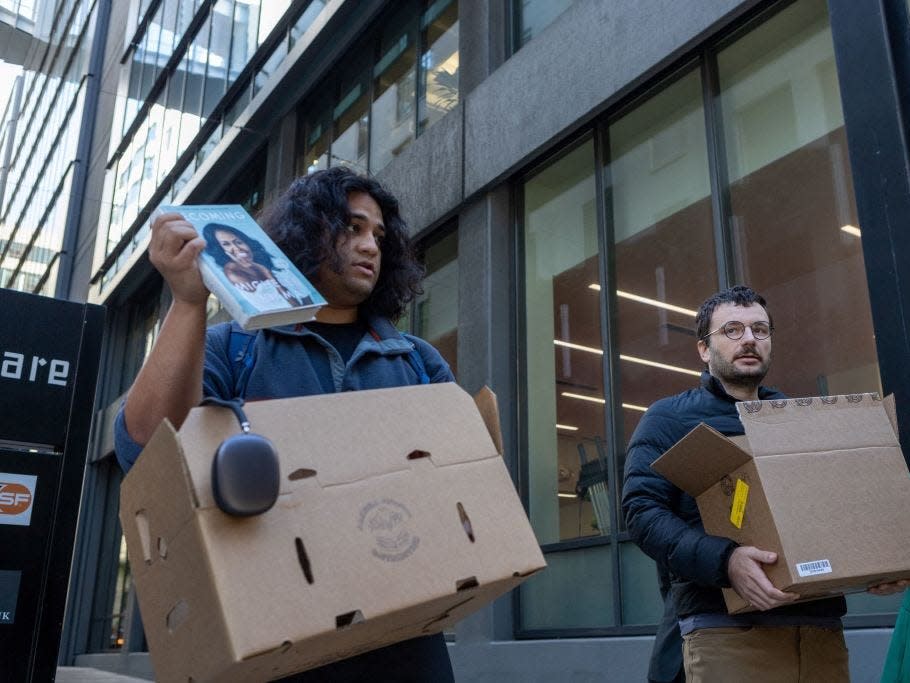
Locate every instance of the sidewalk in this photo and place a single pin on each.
(80, 674)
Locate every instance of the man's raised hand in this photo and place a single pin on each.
(173, 249)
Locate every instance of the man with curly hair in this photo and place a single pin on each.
(345, 233)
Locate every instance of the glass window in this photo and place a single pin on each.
(269, 14)
(271, 64)
(795, 230)
(351, 117)
(436, 310)
(564, 347)
(316, 132)
(304, 21)
(148, 53)
(191, 106)
(794, 237)
(219, 50)
(660, 198)
(533, 16)
(245, 30)
(438, 62)
(394, 88)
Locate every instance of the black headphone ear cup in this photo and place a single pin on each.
(246, 475)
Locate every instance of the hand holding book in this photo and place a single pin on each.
(173, 250)
(241, 265)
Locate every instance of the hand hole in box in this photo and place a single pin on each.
(418, 454)
(465, 522)
(304, 561)
(177, 615)
(145, 536)
(302, 473)
(348, 619)
(466, 584)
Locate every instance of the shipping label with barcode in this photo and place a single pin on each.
(813, 568)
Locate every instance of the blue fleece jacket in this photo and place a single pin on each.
(291, 361)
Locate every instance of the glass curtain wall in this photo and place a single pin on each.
(188, 76)
(625, 311)
(35, 203)
(398, 80)
(565, 380)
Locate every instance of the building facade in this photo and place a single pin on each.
(579, 176)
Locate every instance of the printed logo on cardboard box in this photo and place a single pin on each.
(17, 493)
(387, 521)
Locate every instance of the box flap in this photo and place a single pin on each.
(489, 411)
(810, 425)
(714, 454)
(891, 411)
(395, 428)
(156, 476)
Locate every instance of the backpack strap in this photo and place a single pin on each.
(240, 354)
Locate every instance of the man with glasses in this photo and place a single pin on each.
(779, 641)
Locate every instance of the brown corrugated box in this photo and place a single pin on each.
(820, 481)
(373, 548)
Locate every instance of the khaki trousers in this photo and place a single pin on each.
(766, 654)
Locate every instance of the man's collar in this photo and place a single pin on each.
(712, 384)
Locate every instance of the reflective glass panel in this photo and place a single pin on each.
(575, 591)
(438, 62)
(219, 54)
(394, 80)
(245, 30)
(795, 228)
(351, 116)
(533, 16)
(317, 132)
(437, 308)
(564, 352)
(660, 197)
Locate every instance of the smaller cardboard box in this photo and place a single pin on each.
(396, 518)
(820, 481)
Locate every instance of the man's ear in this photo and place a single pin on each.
(704, 351)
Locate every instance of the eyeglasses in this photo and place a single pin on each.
(735, 330)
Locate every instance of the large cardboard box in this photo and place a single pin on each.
(820, 481)
(396, 518)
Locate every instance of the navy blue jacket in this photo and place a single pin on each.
(664, 521)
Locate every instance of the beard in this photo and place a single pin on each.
(727, 371)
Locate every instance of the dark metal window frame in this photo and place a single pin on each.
(332, 83)
(704, 59)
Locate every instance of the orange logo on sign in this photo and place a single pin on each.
(14, 498)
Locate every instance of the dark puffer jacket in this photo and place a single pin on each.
(664, 521)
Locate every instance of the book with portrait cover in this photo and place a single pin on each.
(241, 265)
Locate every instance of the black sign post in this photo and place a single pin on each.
(49, 356)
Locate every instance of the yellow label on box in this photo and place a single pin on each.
(739, 503)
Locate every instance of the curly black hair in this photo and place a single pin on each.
(308, 219)
(213, 247)
(739, 295)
